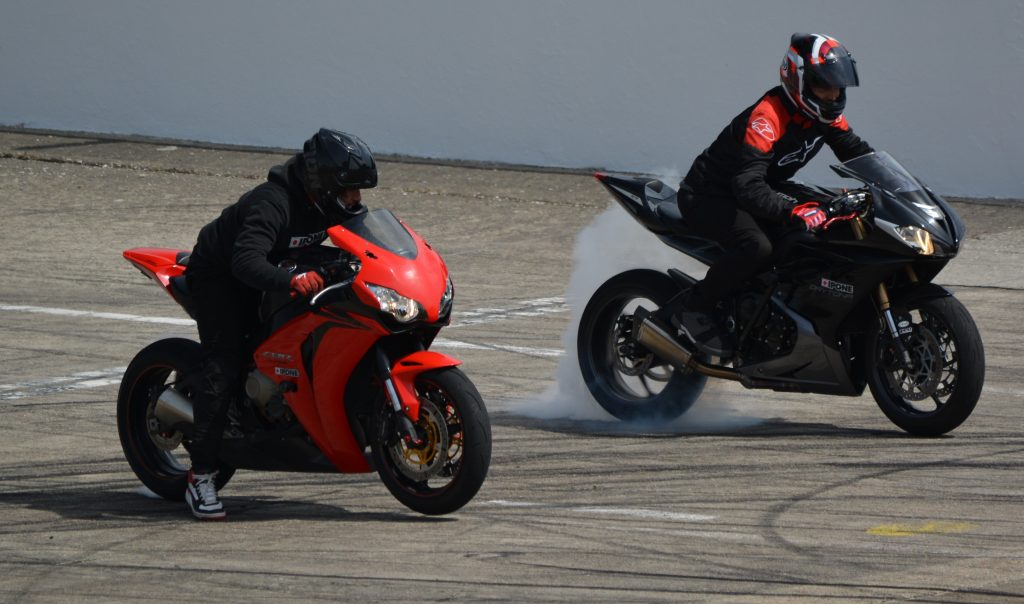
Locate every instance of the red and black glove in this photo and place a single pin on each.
(811, 214)
(307, 284)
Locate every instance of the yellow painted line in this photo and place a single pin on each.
(920, 528)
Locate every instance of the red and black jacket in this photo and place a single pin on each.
(763, 146)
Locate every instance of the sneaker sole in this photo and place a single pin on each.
(216, 518)
(200, 515)
(208, 516)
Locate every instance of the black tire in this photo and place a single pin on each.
(447, 471)
(621, 375)
(158, 456)
(948, 368)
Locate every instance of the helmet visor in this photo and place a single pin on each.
(359, 170)
(838, 72)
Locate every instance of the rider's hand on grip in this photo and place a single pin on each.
(811, 214)
(307, 284)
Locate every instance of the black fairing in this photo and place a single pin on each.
(814, 292)
(654, 204)
(801, 323)
(900, 199)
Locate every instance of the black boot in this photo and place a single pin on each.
(698, 323)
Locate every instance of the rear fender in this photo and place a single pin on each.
(408, 368)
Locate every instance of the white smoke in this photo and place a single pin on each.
(611, 244)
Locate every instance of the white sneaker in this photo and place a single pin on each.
(201, 497)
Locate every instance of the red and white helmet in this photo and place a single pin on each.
(814, 59)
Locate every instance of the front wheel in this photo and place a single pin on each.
(446, 471)
(626, 379)
(938, 390)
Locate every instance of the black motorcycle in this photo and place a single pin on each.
(835, 310)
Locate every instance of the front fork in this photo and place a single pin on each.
(399, 376)
(406, 429)
(884, 303)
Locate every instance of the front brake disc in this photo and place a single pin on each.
(421, 463)
(923, 377)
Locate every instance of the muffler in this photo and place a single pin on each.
(173, 408)
(654, 338)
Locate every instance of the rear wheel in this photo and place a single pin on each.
(625, 378)
(446, 471)
(940, 387)
(157, 453)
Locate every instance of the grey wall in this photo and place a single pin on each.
(640, 86)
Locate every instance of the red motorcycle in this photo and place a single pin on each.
(340, 382)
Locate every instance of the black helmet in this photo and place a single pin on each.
(334, 161)
(814, 59)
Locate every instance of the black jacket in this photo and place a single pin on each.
(262, 228)
(765, 145)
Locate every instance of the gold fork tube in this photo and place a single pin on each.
(859, 232)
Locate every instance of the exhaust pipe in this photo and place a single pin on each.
(173, 409)
(657, 340)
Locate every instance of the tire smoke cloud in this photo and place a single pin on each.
(611, 244)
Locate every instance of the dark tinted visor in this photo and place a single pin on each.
(840, 72)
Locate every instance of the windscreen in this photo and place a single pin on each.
(381, 228)
(881, 170)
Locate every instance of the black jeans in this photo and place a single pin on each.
(746, 243)
(226, 312)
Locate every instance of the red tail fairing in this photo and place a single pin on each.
(157, 263)
(161, 265)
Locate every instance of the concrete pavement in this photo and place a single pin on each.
(752, 497)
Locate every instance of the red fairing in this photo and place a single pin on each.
(423, 279)
(320, 404)
(343, 341)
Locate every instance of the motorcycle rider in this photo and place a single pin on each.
(731, 192)
(235, 259)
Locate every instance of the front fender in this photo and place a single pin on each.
(407, 368)
(917, 292)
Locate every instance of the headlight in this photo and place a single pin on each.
(446, 299)
(917, 238)
(405, 310)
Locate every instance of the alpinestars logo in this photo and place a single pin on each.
(763, 127)
(800, 155)
(307, 240)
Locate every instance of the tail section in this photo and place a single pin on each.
(165, 266)
(651, 202)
